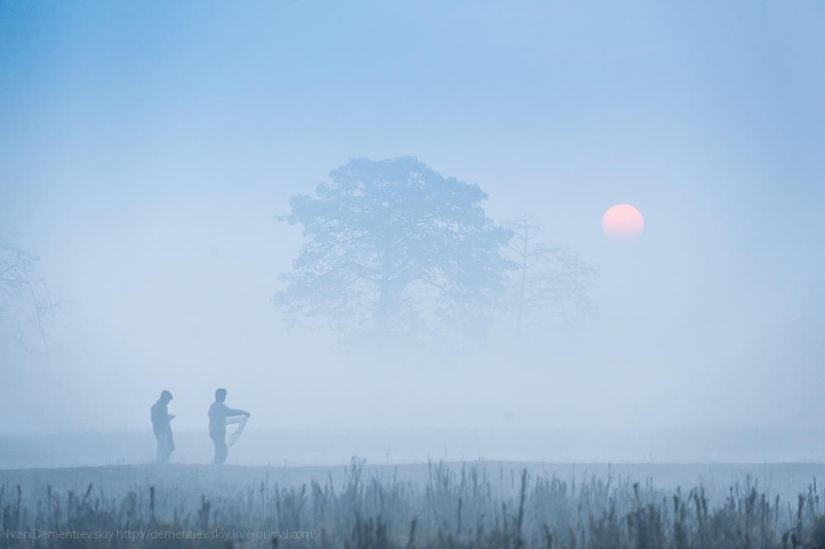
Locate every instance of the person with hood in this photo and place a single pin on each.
(162, 427)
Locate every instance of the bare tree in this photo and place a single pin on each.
(26, 303)
(551, 280)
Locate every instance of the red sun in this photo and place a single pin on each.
(622, 222)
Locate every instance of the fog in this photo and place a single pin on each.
(147, 149)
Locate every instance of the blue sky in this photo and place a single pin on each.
(146, 147)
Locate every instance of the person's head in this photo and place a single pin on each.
(165, 395)
(220, 395)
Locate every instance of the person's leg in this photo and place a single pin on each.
(224, 450)
(221, 449)
(168, 446)
(159, 453)
(171, 446)
(214, 438)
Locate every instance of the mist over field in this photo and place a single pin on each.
(384, 274)
(148, 149)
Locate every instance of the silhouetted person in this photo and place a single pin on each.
(162, 426)
(218, 413)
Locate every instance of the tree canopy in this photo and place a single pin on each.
(394, 248)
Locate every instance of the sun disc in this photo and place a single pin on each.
(622, 222)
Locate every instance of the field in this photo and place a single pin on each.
(458, 505)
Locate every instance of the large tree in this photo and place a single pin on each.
(394, 248)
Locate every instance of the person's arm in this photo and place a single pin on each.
(157, 418)
(233, 412)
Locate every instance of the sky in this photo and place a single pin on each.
(146, 149)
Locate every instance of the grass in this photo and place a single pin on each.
(467, 506)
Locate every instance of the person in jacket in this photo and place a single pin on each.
(218, 412)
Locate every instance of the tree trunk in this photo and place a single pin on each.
(522, 286)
